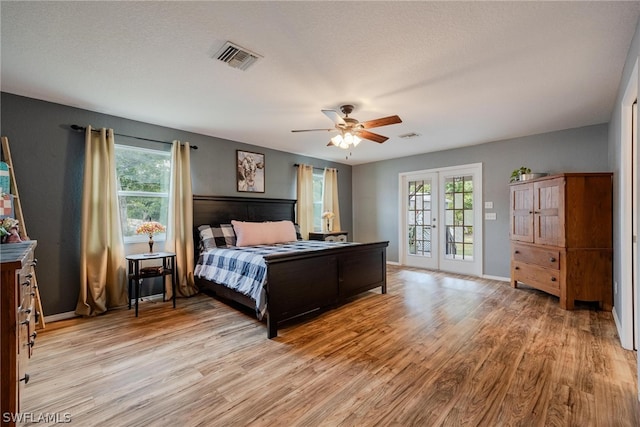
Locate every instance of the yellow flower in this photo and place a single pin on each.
(150, 227)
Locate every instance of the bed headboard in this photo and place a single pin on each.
(222, 209)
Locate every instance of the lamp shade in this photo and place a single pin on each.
(345, 140)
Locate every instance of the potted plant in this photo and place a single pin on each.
(515, 175)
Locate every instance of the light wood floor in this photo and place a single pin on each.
(436, 350)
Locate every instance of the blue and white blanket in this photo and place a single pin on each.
(244, 269)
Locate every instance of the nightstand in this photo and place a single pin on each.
(137, 275)
(332, 236)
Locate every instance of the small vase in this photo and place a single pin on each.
(150, 243)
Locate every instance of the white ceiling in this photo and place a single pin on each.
(457, 73)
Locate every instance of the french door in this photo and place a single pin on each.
(420, 214)
(441, 219)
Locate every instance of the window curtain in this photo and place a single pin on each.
(305, 200)
(102, 264)
(180, 230)
(330, 197)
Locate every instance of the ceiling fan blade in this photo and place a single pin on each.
(312, 130)
(372, 136)
(334, 116)
(391, 120)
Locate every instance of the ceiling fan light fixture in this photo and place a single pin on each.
(345, 140)
(348, 138)
(351, 131)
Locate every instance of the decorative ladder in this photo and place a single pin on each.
(17, 208)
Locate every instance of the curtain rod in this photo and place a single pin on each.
(315, 167)
(82, 129)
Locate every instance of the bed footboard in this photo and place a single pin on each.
(302, 283)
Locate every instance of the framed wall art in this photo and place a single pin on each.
(250, 174)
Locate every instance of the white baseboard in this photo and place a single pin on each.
(499, 278)
(70, 314)
(393, 263)
(60, 316)
(619, 329)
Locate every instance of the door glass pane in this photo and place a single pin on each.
(459, 217)
(419, 217)
(457, 200)
(468, 217)
(448, 215)
(448, 200)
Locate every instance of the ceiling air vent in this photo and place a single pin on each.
(236, 56)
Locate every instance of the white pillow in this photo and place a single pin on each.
(263, 233)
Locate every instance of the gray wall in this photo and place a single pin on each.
(375, 185)
(49, 164)
(49, 157)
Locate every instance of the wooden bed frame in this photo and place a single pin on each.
(300, 283)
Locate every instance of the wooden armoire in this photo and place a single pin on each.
(561, 232)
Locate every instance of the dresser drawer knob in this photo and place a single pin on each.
(26, 283)
(516, 268)
(553, 279)
(552, 259)
(25, 379)
(516, 252)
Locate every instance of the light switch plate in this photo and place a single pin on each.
(488, 205)
(490, 216)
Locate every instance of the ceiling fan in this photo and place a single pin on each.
(351, 130)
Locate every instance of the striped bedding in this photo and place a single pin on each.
(244, 269)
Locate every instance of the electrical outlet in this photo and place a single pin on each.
(615, 287)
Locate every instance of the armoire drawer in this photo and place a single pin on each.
(546, 279)
(17, 316)
(544, 257)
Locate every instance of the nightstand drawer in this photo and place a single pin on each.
(334, 236)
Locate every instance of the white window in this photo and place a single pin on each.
(143, 188)
(318, 186)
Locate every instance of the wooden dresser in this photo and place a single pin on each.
(561, 232)
(17, 321)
